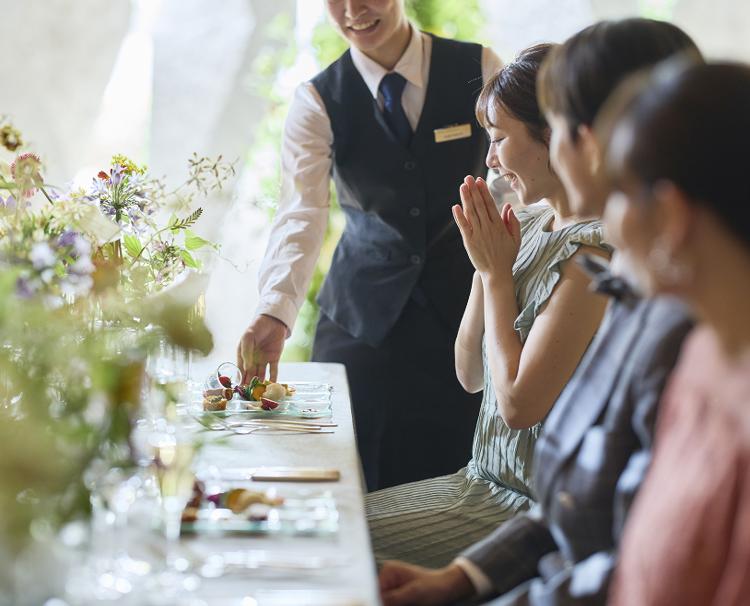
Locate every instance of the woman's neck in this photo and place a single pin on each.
(564, 215)
(720, 292)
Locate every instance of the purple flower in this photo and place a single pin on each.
(116, 175)
(8, 203)
(67, 238)
(24, 289)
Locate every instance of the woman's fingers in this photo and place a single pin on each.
(469, 208)
(463, 223)
(504, 215)
(487, 200)
(478, 200)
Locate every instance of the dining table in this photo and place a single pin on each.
(333, 569)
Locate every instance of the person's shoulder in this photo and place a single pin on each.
(532, 211)
(334, 71)
(589, 235)
(702, 347)
(460, 48)
(668, 311)
(529, 215)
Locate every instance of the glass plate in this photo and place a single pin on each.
(309, 400)
(301, 514)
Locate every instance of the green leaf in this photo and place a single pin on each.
(187, 221)
(189, 260)
(172, 220)
(194, 241)
(132, 245)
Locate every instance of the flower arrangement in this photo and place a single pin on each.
(125, 231)
(85, 297)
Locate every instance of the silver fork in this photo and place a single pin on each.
(242, 429)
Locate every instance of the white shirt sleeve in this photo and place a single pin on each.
(299, 227)
(481, 582)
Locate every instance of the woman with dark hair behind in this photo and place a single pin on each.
(681, 214)
(527, 323)
(574, 84)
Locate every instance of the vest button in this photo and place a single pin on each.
(415, 259)
(415, 212)
(410, 165)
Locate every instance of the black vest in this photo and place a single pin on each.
(400, 239)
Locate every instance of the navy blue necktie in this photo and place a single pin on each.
(391, 87)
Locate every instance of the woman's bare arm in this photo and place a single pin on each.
(468, 348)
(528, 379)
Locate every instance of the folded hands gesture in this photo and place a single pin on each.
(492, 238)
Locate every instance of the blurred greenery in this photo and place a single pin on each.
(657, 9)
(447, 18)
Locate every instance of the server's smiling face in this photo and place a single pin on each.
(367, 24)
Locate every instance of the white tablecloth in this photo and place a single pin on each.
(353, 580)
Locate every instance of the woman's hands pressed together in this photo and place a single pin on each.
(491, 238)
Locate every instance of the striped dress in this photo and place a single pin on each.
(429, 522)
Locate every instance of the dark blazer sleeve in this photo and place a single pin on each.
(651, 378)
(587, 582)
(510, 555)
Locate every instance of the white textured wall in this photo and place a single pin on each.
(720, 27)
(56, 58)
(156, 80)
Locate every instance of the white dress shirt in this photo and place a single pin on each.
(300, 224)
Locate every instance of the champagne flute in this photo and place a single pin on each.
(174, 473)
(174, 451)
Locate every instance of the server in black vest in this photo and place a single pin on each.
(392, 121)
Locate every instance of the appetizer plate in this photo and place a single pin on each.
(308, 400)
(296, 513)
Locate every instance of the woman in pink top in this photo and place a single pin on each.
(680, 214)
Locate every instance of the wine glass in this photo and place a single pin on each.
(174, 450)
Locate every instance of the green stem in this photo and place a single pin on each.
(151, 239)
(46, 195)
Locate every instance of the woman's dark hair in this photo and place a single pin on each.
(513, 88)
(580, 74)
(686, 123)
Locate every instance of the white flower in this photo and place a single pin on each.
(75, 285)
(82, 265)
(81, 247)
(42, 255)
(96, 412)
(47, 275)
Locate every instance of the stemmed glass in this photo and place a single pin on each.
(174, 450)
(109, 571)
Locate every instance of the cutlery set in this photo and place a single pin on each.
(249, 426)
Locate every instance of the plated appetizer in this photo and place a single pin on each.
(262, 395)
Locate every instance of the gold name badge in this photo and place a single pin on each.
(450, 133)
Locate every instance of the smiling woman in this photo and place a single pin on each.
(527, 322)
(518, 131)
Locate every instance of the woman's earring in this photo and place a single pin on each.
(667, 270)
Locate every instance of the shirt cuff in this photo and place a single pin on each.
(280, 307)
(481, 582)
